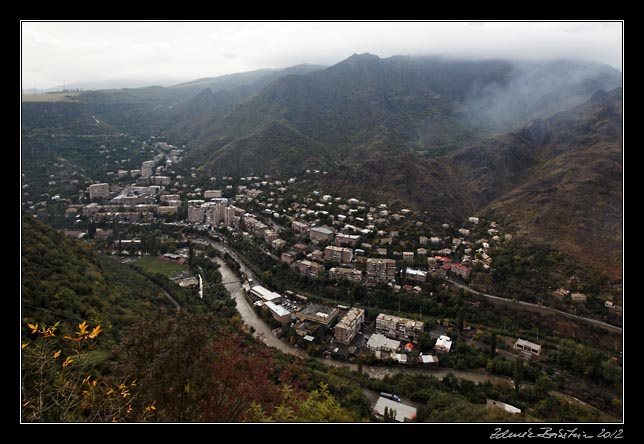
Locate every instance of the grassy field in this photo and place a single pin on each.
(53, 97)
(156, 265)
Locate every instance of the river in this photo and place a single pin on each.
(264, 333)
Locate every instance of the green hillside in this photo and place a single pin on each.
(64, 280)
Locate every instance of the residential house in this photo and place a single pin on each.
(287, 257)
(579, 297)
(443, 344)
(408, 256)
(460, 270)
(527, 346)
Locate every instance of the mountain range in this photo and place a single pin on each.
(538, 144)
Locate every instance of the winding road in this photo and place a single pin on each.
(536, 307)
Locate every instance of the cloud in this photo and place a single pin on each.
(65, 52)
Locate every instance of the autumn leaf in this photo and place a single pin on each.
(57, 354)
(82, 329)
(24, 345)
(97, 330)
(33, 327)
(68, 361)
(87, 380)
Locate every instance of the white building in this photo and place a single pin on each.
(265, 294)
(527, 346)
(443, 344)
(99, 190)
(379, 342)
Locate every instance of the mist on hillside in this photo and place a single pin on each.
(535, 90)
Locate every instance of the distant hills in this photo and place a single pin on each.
(557, 180)
(400, 104)
(538, 143)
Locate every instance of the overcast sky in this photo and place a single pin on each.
(108, 54)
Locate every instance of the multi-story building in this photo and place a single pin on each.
(196, 211)
(380, 271)
(167, 210)
(321, 234)
(278, 244)
(308, 268)
(338, 254)
(408, 256)
(322, 314)
(160, 180)
(416, 275)
(460, 270)
(338, 273)
(350, 324)
(300, 227)
(147, 168)
(347, 239)
(211, 194)
(99, 190)
(398, 328)
(169, 197)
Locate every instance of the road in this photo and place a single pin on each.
(262, 332)
(536, 307)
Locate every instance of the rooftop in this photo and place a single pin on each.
(277, 309)
(264, 293)
(403, 411)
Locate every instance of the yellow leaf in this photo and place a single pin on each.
(82, 328)
(57, 354)
(110, 391)
(96, 332)
(129, 409)
(86, 380)
(33, 327)
(24, 345)
(68, 361)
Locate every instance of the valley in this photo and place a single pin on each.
(275, 206)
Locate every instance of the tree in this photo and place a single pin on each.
(493, 344)
(460, 318)
(517, 375)
(191, 254)
(91, 230)
(389, 415)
